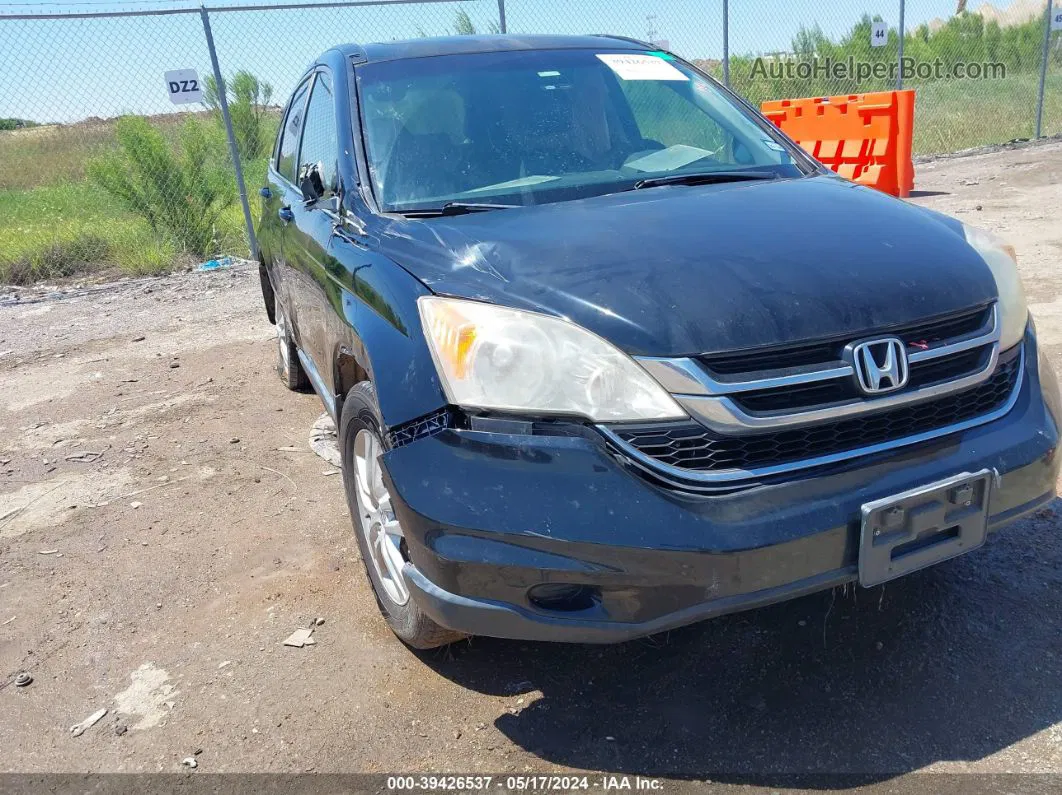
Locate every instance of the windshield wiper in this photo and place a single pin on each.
(455, 208)
(702, 178)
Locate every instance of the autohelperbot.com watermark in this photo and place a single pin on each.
(850, 68)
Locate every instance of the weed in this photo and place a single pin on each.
(181, 191)
(79, 255)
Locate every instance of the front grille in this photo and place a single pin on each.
(693, 447)
(824, 352)
(839, 391)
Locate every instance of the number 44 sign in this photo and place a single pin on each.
(183, 86)
(879, 33)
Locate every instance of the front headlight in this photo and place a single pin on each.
(492, 357)
(1000, 258)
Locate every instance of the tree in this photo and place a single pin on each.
(180, 190)
(249, 100)
(810, 42)
(16, 124)
(463, 25)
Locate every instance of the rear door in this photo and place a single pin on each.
(280, 195)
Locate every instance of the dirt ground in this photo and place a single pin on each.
(164, 526)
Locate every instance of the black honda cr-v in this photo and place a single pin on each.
(609, 354)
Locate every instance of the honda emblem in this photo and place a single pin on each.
(880, 365)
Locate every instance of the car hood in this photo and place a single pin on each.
(681, 269)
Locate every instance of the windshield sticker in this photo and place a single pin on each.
(669, 159)
(772, 145)
(522, 182)
(640, 67)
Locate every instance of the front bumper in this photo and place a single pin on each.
(487, 517)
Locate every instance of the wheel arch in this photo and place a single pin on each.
(347, 373)
(390, 352)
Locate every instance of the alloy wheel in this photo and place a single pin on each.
(282, 338)
(376, 517)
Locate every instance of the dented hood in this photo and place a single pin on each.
(682, 269)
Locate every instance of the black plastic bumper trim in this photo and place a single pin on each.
(500, 620)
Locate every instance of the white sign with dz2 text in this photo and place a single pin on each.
(183, 86)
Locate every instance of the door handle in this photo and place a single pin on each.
(286, 215)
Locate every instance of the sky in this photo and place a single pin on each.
(68, 69)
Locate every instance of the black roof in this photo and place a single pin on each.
(460, 45)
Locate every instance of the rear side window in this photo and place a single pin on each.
(319, 145)
(289, 136)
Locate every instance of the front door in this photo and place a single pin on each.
(310, 237)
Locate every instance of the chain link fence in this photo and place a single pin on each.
(101, 169)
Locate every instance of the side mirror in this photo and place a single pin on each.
(310, 183)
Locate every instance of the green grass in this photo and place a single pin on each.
(53, 232)
(1052, 122)
(56, 154)
(56, 223)
(956, 115)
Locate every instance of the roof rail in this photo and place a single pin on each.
(352, 50)
(629, 39)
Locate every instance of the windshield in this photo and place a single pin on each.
(531, 127)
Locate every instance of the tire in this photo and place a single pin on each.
(378, 531)
(288, 367)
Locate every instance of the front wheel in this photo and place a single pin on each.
(379, 533)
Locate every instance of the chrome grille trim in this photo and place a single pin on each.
(687, 479)
(724, 415)
(991, 334)
(683, 375)
(706, 398)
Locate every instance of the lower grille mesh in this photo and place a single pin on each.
(691, 446)
(428, 425)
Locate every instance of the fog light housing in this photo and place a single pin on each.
(564, 597)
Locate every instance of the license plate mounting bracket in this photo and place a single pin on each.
(923, 526)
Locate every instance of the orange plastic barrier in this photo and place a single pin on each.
(863, 137)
